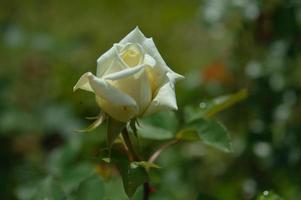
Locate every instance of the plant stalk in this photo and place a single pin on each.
(134, 157)
(156, 154)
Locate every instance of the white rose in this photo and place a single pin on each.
(132, 79)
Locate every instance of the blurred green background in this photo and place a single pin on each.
(220, 46)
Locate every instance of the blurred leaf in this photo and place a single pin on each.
(107, 160)
(113, 130)
(210, 131)
(188, 134)
(49, 189)
(105, 171)
(139, 193)
(268, 195)
(91, 188)
(166, 120)
(132, 176)
(61, 158)
(73, 176)
(209, 108)
(203, 196)
(99, 120)
(155, 133)
(218, 104)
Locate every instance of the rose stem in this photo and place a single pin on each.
(156, 154)
(135, 157)
(146, 190)
(129, 145)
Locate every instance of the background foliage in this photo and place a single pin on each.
(220, 46)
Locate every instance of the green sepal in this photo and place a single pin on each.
(133, 125)
(99, 120)
(114, 128)
(145, 164)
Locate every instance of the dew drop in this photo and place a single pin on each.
(203, 105)
(266, 193)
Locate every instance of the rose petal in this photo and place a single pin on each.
(124, 73)
(132, 54)
(137, 85)
(83, 83)
(149, 60)
(110, 62)
(165, 98)
(135, 36)
(106, 91)
(160, 67)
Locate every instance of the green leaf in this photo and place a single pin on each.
(49, 189)
(159, 126)
(188, 134)
(203, 196)
(209, 108)
(114, 129)
(132, 175)
(221, 103)
(73, 176)
(268, 195)
(210, 131)
(155, 133)
(107, 160)
(91, 188)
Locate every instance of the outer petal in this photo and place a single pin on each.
(161, 66)
(116, 103)
(138, 86)
(165, 98)
(135, 36)
(83, 83)
(109, 93)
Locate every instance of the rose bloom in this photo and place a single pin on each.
(132, 79)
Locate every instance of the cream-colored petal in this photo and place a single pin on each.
(106, 91)
(160, 67)
(124, 73)
(135, 36)
(110, 62)
(132, 54)
(137, 86)
(113, 101)
(149, 60)
(83, 83)
(165, 98)
(120, 113)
